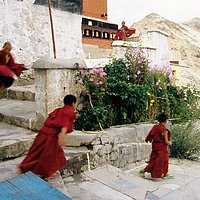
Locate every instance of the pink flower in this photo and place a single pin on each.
(100, 82)
(93, 93)
(127, 65)
(138, 72)
(95, 70)
(91, 79)
(102, 74)
(82, 71)
(185, 98)
(103, 89)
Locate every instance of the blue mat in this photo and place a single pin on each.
(29, 187)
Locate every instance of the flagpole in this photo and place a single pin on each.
(52, 29)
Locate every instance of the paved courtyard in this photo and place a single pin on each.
(109, 183)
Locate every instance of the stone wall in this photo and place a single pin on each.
(54, 78)
(27, 27)
(122, 147)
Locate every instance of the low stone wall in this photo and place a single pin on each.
(121, 147)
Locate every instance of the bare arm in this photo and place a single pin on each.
(62, 141)
(165, 134)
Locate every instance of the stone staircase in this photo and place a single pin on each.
(17, 114)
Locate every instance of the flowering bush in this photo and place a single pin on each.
(131, 90)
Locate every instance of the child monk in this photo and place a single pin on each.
(46, 154)
(8, 67)
(159, 136)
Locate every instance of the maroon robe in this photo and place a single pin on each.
(159, 158)
(8, 69)
(45, 156)
(124, 32)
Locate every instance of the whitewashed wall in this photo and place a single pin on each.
(159, 40)
(27, 27)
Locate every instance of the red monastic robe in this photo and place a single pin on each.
(159, 158)
(45, 156)
(124, 32)
(8, 69)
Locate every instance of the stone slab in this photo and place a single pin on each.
(14, 141)
(24, 93)
(81, 187)
(126, 133)
(183, 186)
(47, 63)
(78, 138)
(131, 186)
(185, 192)
(74, 152)
(16, 112)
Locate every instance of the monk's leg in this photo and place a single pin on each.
(159, 164)
(166, 164)
(149, 167)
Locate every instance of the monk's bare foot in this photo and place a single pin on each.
(141, 173)
(18, 170)
(55, 175)
(168, 176)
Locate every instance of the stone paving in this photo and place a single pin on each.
(109, 183)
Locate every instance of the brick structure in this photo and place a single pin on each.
(96, 30)
(95, 8)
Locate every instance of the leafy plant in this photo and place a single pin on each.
(186, 143)
(131, 90)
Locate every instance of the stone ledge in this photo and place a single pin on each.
(16, 112)
(24, 93)
(47, 63)
(14, 141)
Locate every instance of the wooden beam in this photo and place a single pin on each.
(52, 29)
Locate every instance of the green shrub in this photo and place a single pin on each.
(131, 90)
(186, 141)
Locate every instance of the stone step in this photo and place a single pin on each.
(14, 141)
(16, 112)
(108, 182)
(74, 156)
(25, 93)
(77, 160)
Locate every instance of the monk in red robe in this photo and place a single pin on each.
(159, 136)
(124, 32)
(46, 154)
(8, 67)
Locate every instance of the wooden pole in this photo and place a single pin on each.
(52, 29)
